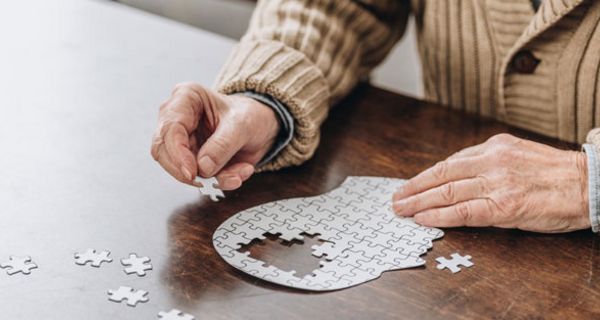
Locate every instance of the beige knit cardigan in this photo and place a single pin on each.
(310, 53)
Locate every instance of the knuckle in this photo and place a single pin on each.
(221, 144)
(157, 142)
(509, 203)
(154, 152)
(504, 154)
(463, 211)
(511, 180)
(484, 184)
(191, 90)
(502, 138)
(447, 192)
(162, 129)
(439, 171)
(164, 105)
(185, 86)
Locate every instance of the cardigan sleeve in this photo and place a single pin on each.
(308, 54)
(592, 148)
(593, 137)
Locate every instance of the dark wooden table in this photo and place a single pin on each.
(80, 84)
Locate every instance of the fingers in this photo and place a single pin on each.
(440, 174)
(180, 151)
(167, 163)
(473, 213)
(178, 119)
(219, 148)
(442, 196)
(232, 176)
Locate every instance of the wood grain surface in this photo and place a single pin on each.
(80, 86)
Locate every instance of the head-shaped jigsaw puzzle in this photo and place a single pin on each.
(361, 235)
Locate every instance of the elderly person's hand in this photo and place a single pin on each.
(505, 182)
(202, 132)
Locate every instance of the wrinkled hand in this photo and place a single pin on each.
(505, 182)
(202, 132)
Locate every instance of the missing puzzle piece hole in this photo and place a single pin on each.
(285, 255)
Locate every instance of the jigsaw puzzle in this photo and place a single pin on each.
(16, 265)
(361, 235)
(92, 257)
(132, 296)
(175, 314)
(137, 265)
(210, 188)
(454, 263)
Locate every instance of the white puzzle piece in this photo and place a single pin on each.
(454, 263)
(210, 188)
(137, 265)
(92, 257)
(132, 296)
(175, 314)
(16, 265)
(363, 235)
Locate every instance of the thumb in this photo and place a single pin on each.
(218, 149)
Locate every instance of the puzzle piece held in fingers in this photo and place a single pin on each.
(210, 188)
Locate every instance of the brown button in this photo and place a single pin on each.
(525, 62)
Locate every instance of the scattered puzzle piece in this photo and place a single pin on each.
(362, 235)
(16, 264)
(210, 188)
(175, 314)
(132, 296)
(137, 265)
(454, 263)
(90, 256)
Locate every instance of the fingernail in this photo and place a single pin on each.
(246, 172)
(400, 207)
(186, 173)
(207, 166)
(232, 183)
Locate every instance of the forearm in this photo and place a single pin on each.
(307, 55)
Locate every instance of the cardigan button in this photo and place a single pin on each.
(525, 62)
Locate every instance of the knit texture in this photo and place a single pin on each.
(310, 53)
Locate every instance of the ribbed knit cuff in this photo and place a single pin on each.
(593, 185)
(271, 68)
(593, 137)
(286, 121)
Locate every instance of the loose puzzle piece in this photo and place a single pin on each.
(15, 265)
(91, 256)
(137, 265)
(210, 188)
(132, 296)
(175, 314)
(362, 237)
(454, 263)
